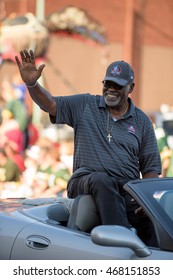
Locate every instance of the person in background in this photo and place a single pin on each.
(15, 106)
(13, 153)
(10, 131)
(52, 175)
(114, 142)
(9, 171)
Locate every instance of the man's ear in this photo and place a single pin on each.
(131, 87)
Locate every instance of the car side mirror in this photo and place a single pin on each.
(119, 236)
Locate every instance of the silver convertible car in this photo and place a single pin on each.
(62, 228)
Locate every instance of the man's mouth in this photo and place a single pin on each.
(112, 95)
(113, 98)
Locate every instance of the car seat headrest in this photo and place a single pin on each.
(84, 215)
(58, 212)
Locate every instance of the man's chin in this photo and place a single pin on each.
(111, 103)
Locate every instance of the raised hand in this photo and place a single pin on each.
(27, 67)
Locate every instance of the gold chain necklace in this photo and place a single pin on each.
(109, 131)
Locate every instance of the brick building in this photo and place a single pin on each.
(139, 31)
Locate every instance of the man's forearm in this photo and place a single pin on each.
(150, 175)
(43, 98)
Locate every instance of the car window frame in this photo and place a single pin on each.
(142, 191)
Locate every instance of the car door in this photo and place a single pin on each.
(43, 241)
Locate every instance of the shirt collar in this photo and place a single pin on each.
(131, 107)
(102, 103)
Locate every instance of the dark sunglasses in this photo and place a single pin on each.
(110, 84)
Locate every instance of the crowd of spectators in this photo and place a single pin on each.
(33, 164)
(166, 152)
(164, 135)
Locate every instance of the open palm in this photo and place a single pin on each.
(27, 67)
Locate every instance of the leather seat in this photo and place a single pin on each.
(78, 214)
(84, 214)
(58, 212)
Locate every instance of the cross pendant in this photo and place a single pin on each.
(109, 136)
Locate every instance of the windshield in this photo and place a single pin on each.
(165, 200)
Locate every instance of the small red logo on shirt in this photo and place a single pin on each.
(132, 129)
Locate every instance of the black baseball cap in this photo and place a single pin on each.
(119, 72)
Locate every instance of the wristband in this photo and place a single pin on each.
(31, 86)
